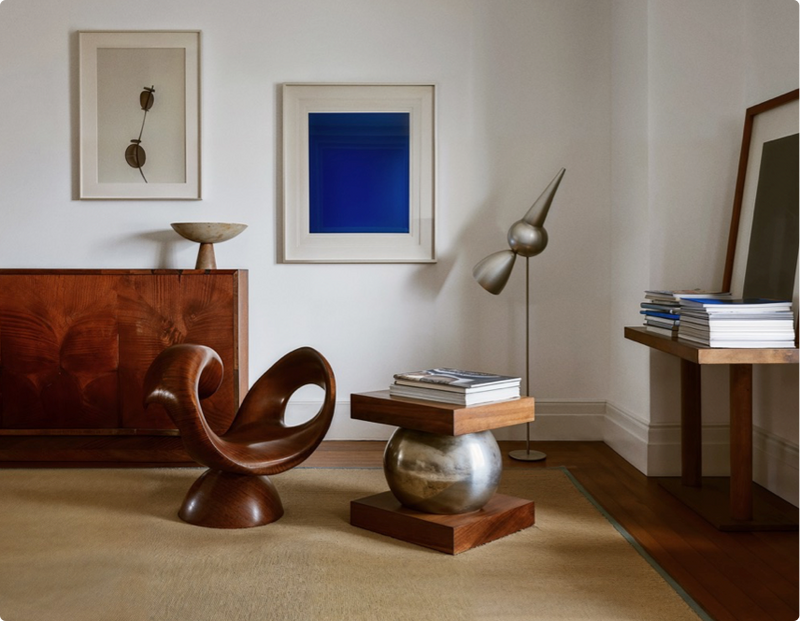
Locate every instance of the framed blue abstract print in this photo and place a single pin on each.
(358, 173)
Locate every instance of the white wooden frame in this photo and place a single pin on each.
(299, 244)
(91, 187)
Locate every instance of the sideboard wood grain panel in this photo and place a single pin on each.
(74, 347)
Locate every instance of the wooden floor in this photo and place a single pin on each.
(733, 576)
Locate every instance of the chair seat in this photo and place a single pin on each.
(257, 435)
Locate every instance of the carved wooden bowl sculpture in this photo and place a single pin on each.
(235, 491)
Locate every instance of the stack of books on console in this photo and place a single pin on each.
(661, 309)
(737, 323)
(455, 386)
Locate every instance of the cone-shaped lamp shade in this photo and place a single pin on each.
(538, 212)
(492, 273)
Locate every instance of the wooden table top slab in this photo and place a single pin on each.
(443, 418)
(711, 355)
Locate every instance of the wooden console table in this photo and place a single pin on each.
(734, 503)
(451, 533)
(74, 347)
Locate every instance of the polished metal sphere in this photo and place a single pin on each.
(526, 239)
(442, 474)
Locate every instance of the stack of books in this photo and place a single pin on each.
(661, 308)
(455, 386)
(737, 323)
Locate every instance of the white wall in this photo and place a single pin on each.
(541, 96)
(630, 237)
(675, 145)
(523, 89)
(696, 115)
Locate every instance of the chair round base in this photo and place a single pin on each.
(225, 500)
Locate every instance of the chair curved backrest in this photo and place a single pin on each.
(258, 441)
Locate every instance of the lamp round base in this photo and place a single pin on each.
(524, 455)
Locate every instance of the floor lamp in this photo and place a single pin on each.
(526, 238)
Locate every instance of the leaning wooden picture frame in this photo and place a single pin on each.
(762, 253)
(139, 111)
(359, 168)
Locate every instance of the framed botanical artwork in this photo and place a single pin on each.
(763, 241)
(359, 169)
(139, 115)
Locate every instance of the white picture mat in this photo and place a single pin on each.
(122, 75)
(769, 125)
(99, 183)
(299, 244)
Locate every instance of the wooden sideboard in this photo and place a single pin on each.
(74, 348)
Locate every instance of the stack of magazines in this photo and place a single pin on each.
(738, 323)
(661, 308)
(455, 386)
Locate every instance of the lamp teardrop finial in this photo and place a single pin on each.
(538, 212)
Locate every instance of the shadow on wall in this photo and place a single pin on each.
(430, 278)
(159, 250)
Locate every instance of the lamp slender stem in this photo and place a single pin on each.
(528, 344)
(527, 454)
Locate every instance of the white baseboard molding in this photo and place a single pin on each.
(654, 449)
(628, 435)
(561, 420)
(775, 465)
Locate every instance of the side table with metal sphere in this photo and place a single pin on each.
(443, 467)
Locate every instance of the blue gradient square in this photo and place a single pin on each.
(359, 172)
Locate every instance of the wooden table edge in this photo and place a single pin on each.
(712, 355)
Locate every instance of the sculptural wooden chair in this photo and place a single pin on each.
(235, 491)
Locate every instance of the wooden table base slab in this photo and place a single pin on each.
(453, 534)
(710, 500)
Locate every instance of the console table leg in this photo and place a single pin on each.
(691, 425)
(741, 389)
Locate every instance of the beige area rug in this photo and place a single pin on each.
(107, 545)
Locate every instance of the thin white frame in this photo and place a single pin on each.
(770, 120)
(88, 44)
(299, 245)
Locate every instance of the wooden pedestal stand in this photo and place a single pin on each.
(453, 534)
